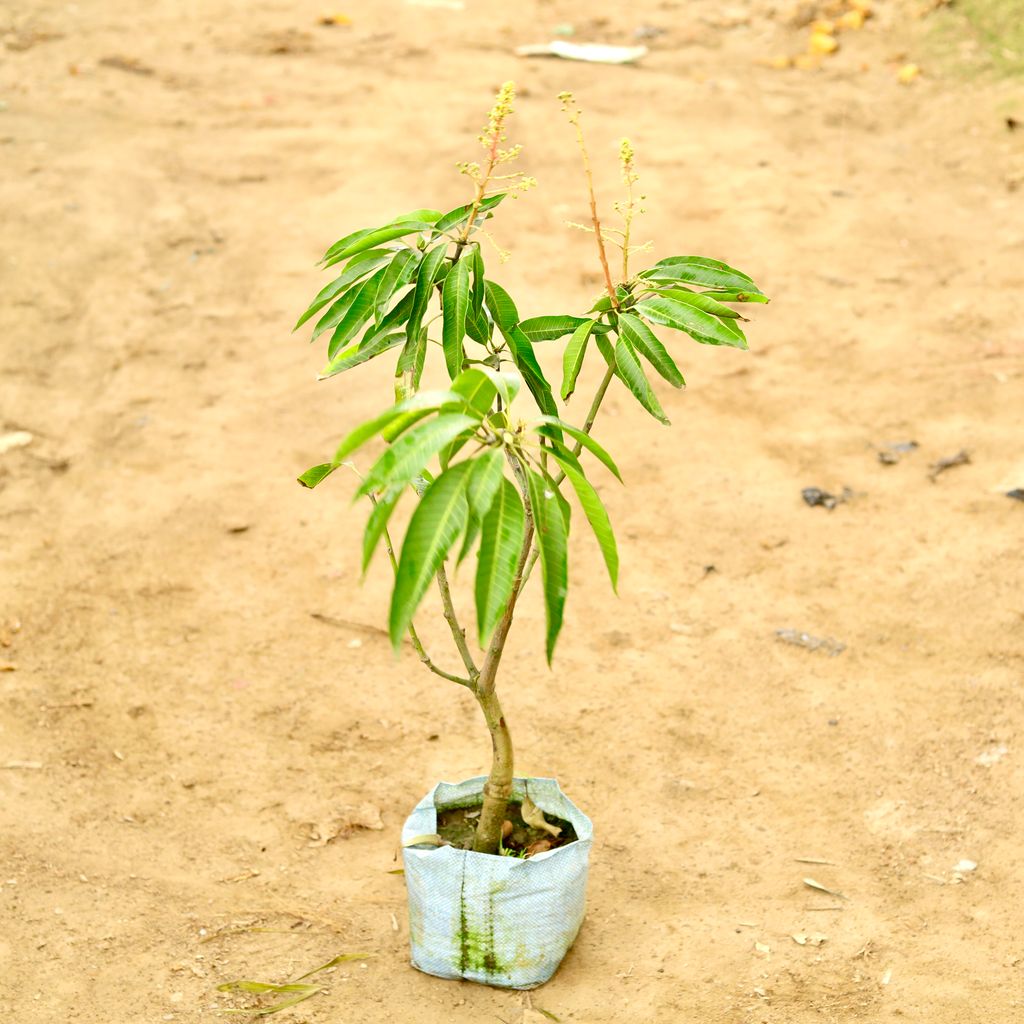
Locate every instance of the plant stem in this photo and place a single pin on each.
(498, 787)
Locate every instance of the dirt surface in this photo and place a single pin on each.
(206, 746)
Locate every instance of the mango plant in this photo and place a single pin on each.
(494, 475)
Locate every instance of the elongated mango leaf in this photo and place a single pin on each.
(642, 338)
(702, 300)
(552, 540)
(478, 326)
(428, 216)
(502, 308)
(636, 380)
(476, 388)
(502, 533)
(699, 270)
(411, 410)
(409, 455)
(314, 475)
(358, 267)
(361, 241)
(701, 326)
(572, 358)
(439, 519)
(525, 360)
(547, 328)
(336, 312)
(476, 260)
(551, 426)
(738, 296)
(593, 508)
(429, 267)
(361, 352)
(457, 218)
(398, 274)
(506, 384)
(358, 313)
(484, 481)
(455, 298)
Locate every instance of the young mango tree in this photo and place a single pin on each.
(488, 474)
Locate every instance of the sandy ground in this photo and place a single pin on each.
(199, 688)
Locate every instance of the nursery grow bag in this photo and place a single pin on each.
(497, 920)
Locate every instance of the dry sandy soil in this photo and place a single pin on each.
(196, 687)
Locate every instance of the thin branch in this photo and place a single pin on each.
(458, 633)
(413, 635)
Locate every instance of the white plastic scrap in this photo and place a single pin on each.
(595, 53)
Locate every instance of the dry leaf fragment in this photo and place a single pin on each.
(907, 74)
(534, 817)
(365, 816)
(762, 948)
(540, 846)
(812, 884)
(814, 939)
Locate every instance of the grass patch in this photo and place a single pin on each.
(996, 29)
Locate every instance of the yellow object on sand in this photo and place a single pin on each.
(907, 74)
(822, 43)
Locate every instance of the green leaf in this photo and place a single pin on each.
(502, 308)
(408, 412)
(601, 305)
(455, 305)
(547, 328)
(408, 456)
(410, 362)
(506, 384)
(477, 390)
(682, 316)
(361, 352)
(361, 241)
(313, 476)
(643, 340)
(552, 540)
(699, 270)
(526, 362)
(488, 472)
(734, 296)
(478, 327)
(457, 218)
(634, 378)
(548, 426)
(593, 508)
(357, 314)
(429, 267)
(439, 519)
(702, 300)
(477, 263)
(427, 216)
(572, 358)
(502, 533)
(358, 267)
(398, 274)
(337, 312)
